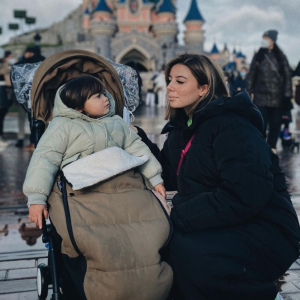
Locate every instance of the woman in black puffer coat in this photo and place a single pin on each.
(235, 228)
(269, 80)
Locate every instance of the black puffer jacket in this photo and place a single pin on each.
(4, 70)
(230, 178)
(269, 79)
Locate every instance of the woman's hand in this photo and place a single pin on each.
(161, 189)
(160, 193)
(36, 212)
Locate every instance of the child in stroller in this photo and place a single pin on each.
(81, 107)
(110, 234)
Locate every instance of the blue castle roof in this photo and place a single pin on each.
(124, 1)
(166, 6)
(86, 11)
(240, 55)
(194, 13)
(102, 6)
(214, 49)
(234, 51)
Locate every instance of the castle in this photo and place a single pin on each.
(139, 33)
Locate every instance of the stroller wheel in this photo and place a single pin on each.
(43, 275)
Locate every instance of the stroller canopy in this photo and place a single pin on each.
(63, 66)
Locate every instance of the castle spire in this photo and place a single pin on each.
(102, 6)
(194, 13)
(214, 49)
(166, 7)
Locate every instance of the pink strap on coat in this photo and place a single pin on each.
(184, 153)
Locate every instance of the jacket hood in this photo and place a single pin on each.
(241, 104)
(61, 110)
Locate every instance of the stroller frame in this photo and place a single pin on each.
(47, 275)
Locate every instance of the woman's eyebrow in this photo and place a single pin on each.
(178, 76)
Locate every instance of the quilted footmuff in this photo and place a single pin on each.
(117, 227)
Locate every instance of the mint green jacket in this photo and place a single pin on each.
(72, 135)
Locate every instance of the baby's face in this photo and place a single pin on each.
(96, 106)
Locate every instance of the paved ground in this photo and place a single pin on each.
(21, 248)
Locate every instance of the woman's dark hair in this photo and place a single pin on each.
(205, 72)
(77, 90)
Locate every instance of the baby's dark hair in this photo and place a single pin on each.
(77, 90)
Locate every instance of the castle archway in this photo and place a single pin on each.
(136, 58)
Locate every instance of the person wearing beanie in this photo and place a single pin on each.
(270, 84)
(272, 34)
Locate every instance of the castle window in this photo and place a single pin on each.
(133, 6)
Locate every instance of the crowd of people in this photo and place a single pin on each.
(7, 98)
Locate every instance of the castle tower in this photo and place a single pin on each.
(240, 59)
(102, 12)
(133, 15)
(194, 34)
(86, 18)
(165, 30)
(234, 53)
(102, 27)
(214, 53)
(225, 54)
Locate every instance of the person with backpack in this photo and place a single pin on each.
(269, 81)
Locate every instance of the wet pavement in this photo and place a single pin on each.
(21, 247)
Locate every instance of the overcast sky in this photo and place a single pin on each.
(236, 22)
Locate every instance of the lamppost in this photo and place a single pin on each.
(37, 39)
(164, 53)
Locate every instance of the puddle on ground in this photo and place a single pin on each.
(19, 234)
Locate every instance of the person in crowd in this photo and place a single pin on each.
(5, 84)
(240, 80)
(269, 81)
(230, 72)
(160, 89)
(150, 96)
(235, 228)
(30, 55)
(296, 72)
(37, 55)
(83, 111)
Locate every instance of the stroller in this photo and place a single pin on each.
(287, 139)
(75, 269)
